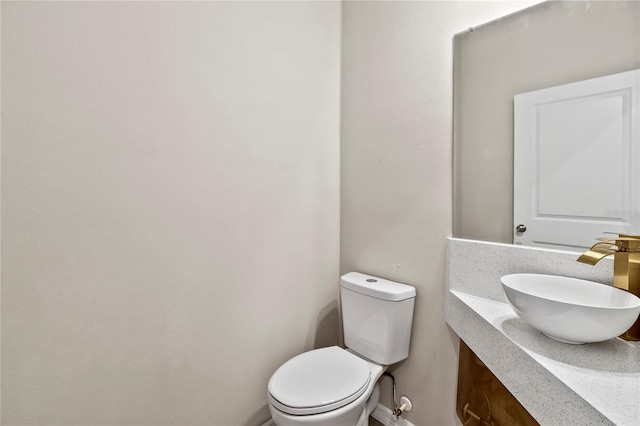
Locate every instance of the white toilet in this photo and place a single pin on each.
(338, 387)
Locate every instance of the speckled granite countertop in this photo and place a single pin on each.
(559, 384)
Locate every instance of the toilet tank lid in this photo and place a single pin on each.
(377, 287)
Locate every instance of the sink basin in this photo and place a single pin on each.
(569, 309)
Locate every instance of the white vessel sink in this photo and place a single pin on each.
(571, 310)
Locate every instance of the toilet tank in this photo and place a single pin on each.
(377, 315)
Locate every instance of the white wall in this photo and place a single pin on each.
(170, 206)
(396, 171)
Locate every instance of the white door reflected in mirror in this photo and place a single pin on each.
(577, 162)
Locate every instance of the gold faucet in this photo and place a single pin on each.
(626, 268)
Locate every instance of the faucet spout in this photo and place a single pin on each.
(596, 253)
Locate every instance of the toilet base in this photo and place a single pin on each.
(372, 403)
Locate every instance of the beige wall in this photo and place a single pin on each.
(170, 199)
(556, 43)
(170, 206)
(396, 171)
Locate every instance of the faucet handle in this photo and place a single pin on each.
(635, 237)
(624, 242)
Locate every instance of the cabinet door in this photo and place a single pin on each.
(576, 162)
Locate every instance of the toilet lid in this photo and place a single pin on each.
(319, 381)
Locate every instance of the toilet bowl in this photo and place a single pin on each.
(329, 386)
(339, 387)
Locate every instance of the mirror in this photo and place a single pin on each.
(550, 44)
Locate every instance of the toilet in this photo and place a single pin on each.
(339, 387)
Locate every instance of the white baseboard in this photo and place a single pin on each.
(381, 414)
(385, 416)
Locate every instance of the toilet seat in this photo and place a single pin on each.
(319, 381)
